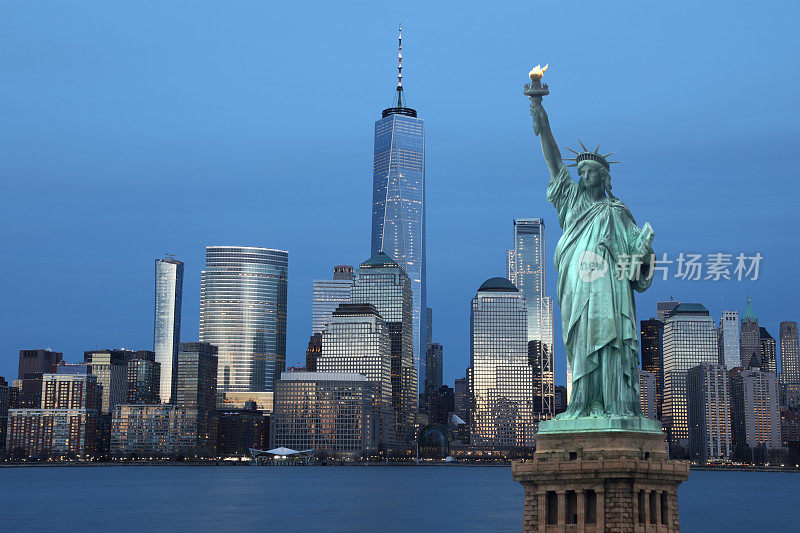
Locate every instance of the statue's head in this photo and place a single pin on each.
(594, 176)
(593, 168)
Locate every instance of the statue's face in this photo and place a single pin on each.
(591, 175)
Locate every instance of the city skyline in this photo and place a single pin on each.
(112, 307)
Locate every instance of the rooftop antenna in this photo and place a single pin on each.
(400, 65)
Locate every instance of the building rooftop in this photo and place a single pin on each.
(322, 376)
(380, 260)
(348, 309)
(497, 285)
(689, 309)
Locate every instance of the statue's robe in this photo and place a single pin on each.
(598, 314)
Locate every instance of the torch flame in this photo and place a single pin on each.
(537, 72)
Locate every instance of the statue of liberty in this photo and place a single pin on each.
(601, 258)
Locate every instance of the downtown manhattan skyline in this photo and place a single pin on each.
(114, 160)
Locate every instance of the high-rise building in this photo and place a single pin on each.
(769, 359)
(790, 362)
(561, 399)
(63, 425)
(323, 411)
(111, 369)
(382, 282)
(708, 395)
(398, 206)
(243, 314)
(167, 323)
(328, 294)
(663, 309)
(500, 379)
(33, 364)
(144, 382)
(690, 339)
(461, 393)
(196, 388)
(435, 357)
(750, 339)
(441, 403)
(728, 339)
(754, 412)
(158, 431)
(647, 394)
(357, 340)
(652, 347)
(525, 267)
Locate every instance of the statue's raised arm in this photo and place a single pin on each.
(541, 127)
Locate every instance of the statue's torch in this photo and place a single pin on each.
(535, 89)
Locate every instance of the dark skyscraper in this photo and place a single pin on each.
(769, 359)
(38, 362)
(435, 357)
(790, 362)
(652, 346)
(167, 323)
(398, 205)
(750, 337)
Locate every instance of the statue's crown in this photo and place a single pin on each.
(587, 155)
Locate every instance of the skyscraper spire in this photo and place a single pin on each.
(400, 65)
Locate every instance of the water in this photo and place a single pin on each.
(375, 498)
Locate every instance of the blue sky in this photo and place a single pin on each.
(132, 129)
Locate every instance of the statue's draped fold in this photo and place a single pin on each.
(598, 314)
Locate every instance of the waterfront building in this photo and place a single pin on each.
(790, 430)
(64, 425)
(167, 323)
(769, 358)
(398, 207)
(647, 394)
(111, 369)
(382, 282)
(327, 412)
(652, 348)
(239, 430)
(143, 382)
(500, 379)
(728, 339)
(790, 362)
(690, 339)
(196, 387)
(243, 314)
(435, 355)
(328, 294)
(160, 430)
(525, 268)
(313, 351)
(8, 398)
(754, 412)
(357, 340)
(709, 403)
(750, 337)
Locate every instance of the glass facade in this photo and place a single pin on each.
(325, 411)
(167, 328)
(728, 339)
(651, 337)
(501, 380)
(328, 294)
(144, 381)
(398, 209)
(708, 393)
(690, 339)
(243, 314)
(357, 341)
(525, 267)
(790, 362)
(382, 282)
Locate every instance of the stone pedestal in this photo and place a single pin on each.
(600, 481)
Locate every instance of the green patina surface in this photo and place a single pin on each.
(602, 258)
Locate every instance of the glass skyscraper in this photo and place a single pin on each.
(500, 377)
(243, 314)
(790, 362)
(398, 205)
(167, 329)
(380, 281)
(728, 339)
(525, 267)
(328, 294)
